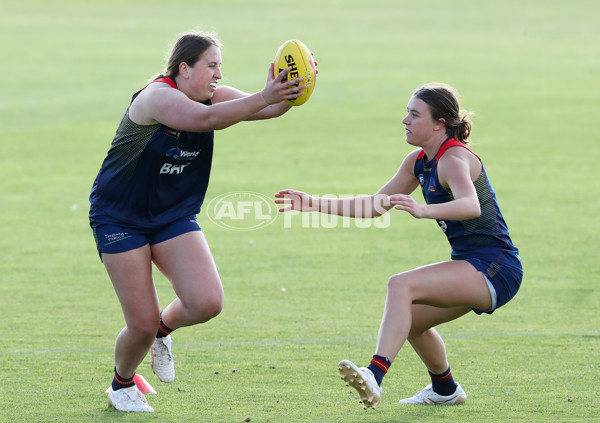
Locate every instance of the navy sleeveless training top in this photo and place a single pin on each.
(484, 236)
(152, 174)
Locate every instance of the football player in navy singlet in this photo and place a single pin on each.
(485, 269)
(148, 192)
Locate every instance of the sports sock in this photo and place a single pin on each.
(121, 382)
(163, 330)
(443, 384)
(379, 366)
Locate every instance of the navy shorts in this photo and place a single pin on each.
(503, 277)
(112, 239)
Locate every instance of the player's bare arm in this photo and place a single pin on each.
(161, 103)
(457, 170)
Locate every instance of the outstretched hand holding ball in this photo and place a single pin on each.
(295, 55)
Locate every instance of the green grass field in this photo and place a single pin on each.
(299, 299)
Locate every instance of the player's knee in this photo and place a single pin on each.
(398, 285)
(417, 333)
(144, 327)
(205, 306)
(213, 305)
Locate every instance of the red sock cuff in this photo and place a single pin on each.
(444, 376)
(122, 381)
(163, 329)
(380, 363)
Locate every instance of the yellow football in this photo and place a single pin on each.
(294, 54)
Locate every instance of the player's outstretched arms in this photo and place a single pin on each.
(296, 200)
(277, 90)
(364, 206)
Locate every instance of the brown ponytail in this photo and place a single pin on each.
(442, 100)
(188, 48)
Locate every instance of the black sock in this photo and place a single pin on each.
(443, 384)
(121, 382)
(163, 330)
(379, 366)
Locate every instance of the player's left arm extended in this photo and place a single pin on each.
(454, 171)
(227, 93)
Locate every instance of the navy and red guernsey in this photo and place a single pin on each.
(152, 174)
(485, 236)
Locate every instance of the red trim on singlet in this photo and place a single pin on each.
(450, 143)
(166, 80)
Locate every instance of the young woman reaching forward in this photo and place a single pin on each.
(484, 272)
(148, 192)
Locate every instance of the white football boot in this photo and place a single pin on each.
(363, 380)
(128, 400)
(428, 396)
(161, 359)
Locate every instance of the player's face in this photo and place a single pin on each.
(205, 74)
(419, 125)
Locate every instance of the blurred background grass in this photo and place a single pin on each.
(529, 70)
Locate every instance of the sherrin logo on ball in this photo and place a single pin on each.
(295, 55)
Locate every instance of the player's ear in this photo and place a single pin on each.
(184, 69)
